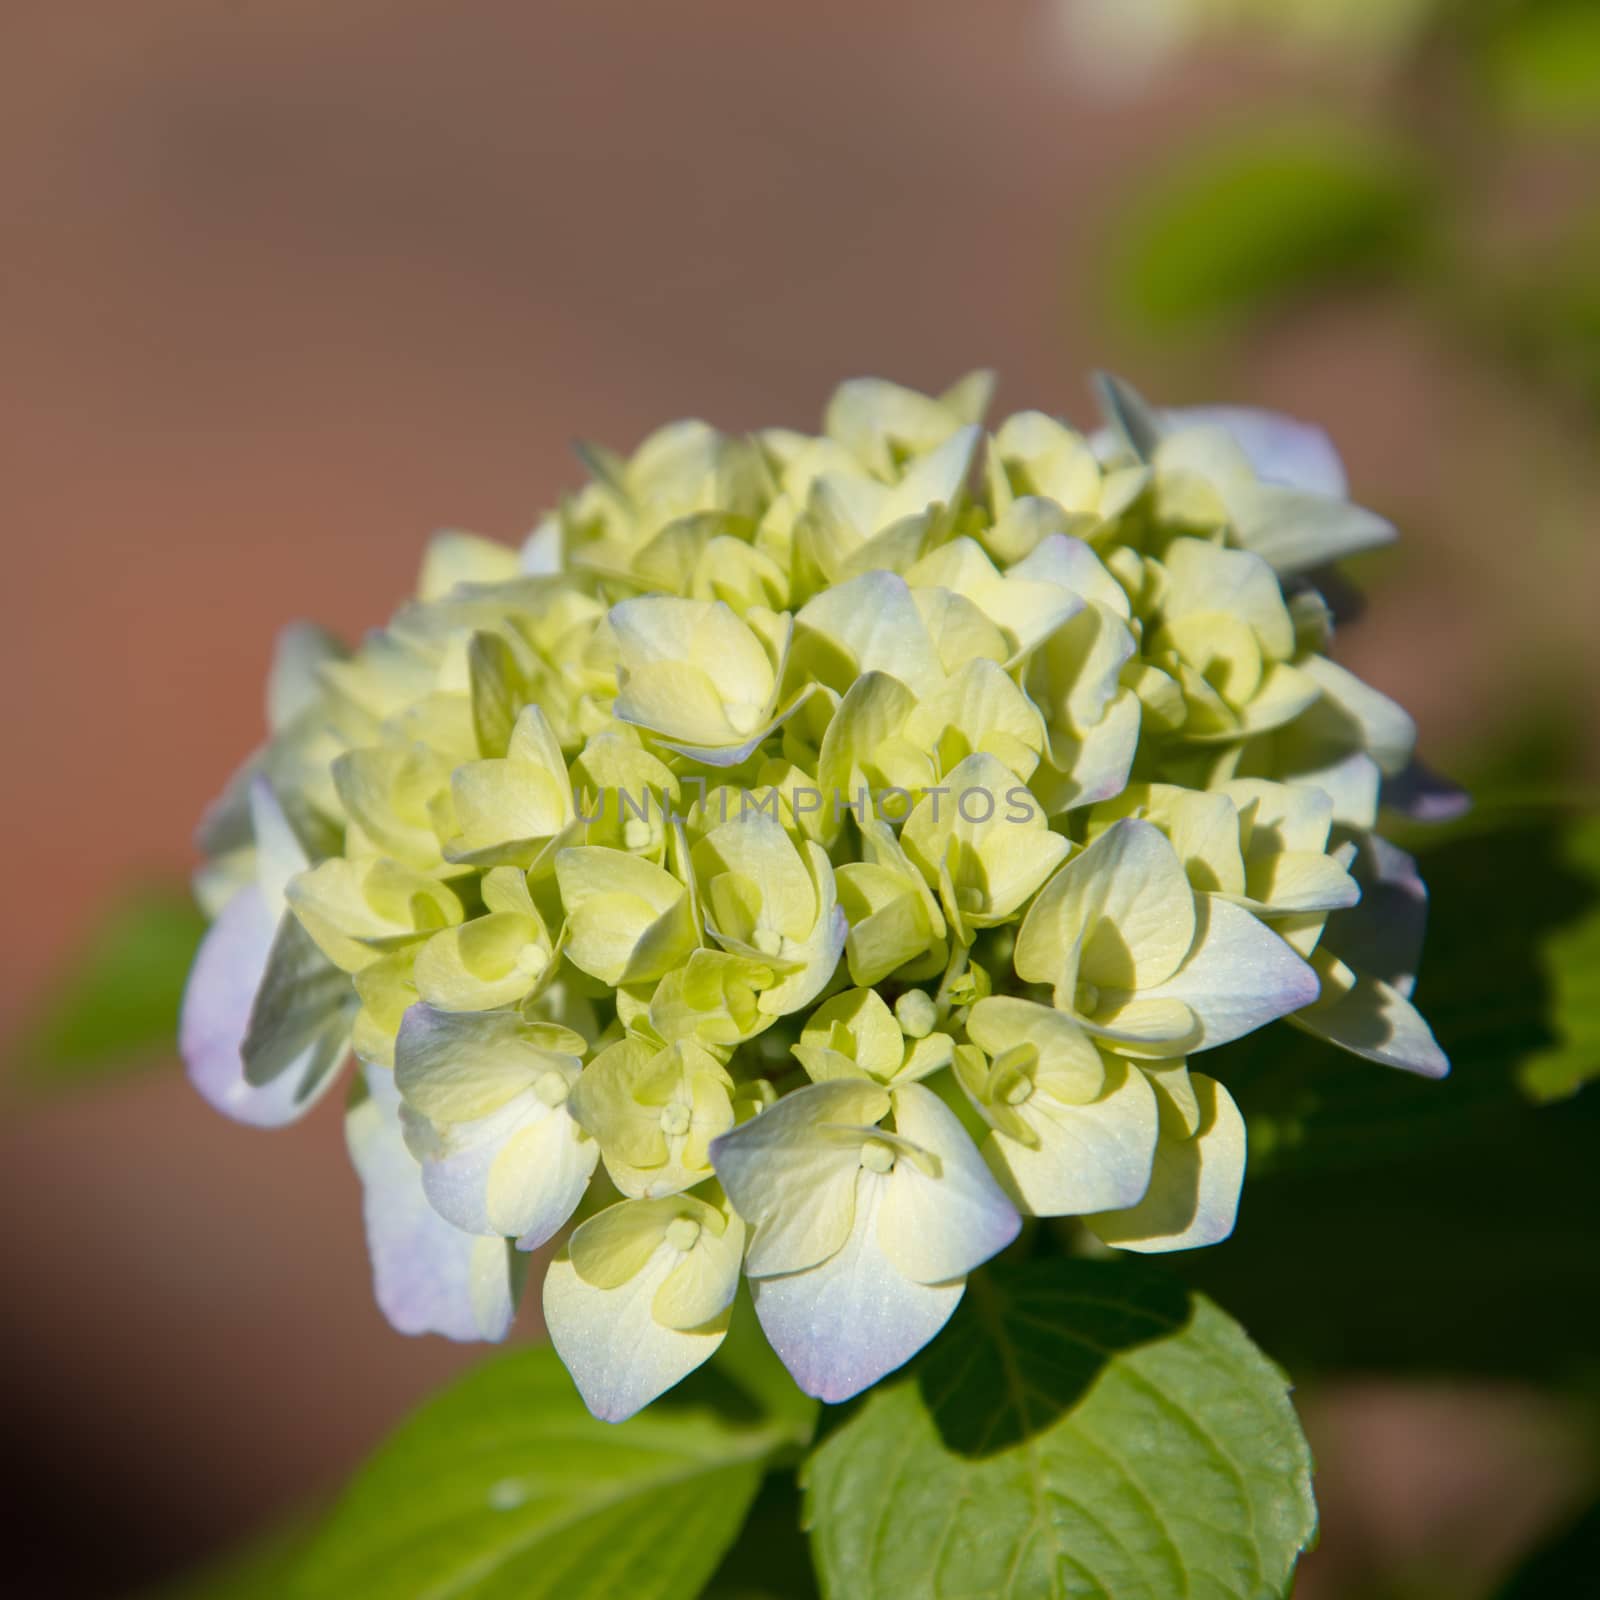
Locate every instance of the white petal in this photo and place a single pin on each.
(520, 1171)
(821, 953)
(1366, 717)
(619, 1356)
(1194, 1187)
(1127, 899)
(937, 1228)
(1296, 531)
(461, 1066)
(279, 853)
(541, 550)
(701, 1287)
(874, 620)
(541, 1177)
(455, 1176)
(840, 1327)
(720, 755)
(793, 1184)
(1074, 565)
(1135, 1026)
(1295, 455)
(1239, 975)
(428, 1276)
(1375, 1021)
(1092, 764)
(495, 1275)
(1093, 1157)
(1351, 783)
(1301, 880)
(217, 1006)
(294, 683)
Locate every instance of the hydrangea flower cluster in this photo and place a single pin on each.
(806, 857)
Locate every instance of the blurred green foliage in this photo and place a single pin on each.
(1398, 193)
(1570, 963)
(1245, 222)
(1542, 64)
(115, 1002)
(1544, 313)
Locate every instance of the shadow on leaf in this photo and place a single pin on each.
(1028, 1344)
(1080, 1426)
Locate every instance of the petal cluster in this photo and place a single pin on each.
(808, 856)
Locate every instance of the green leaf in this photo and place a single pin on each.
(1083, 1428)
(1261, 215)
(504, 1485)
(116, 1001)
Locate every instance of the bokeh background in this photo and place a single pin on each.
(287, 286)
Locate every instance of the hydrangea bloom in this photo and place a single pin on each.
(807, 856)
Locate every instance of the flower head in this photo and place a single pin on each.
(805, 857)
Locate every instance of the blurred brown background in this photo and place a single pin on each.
(286, 287)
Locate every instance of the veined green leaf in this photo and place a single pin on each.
(1082, 1429)
(504, 1485)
